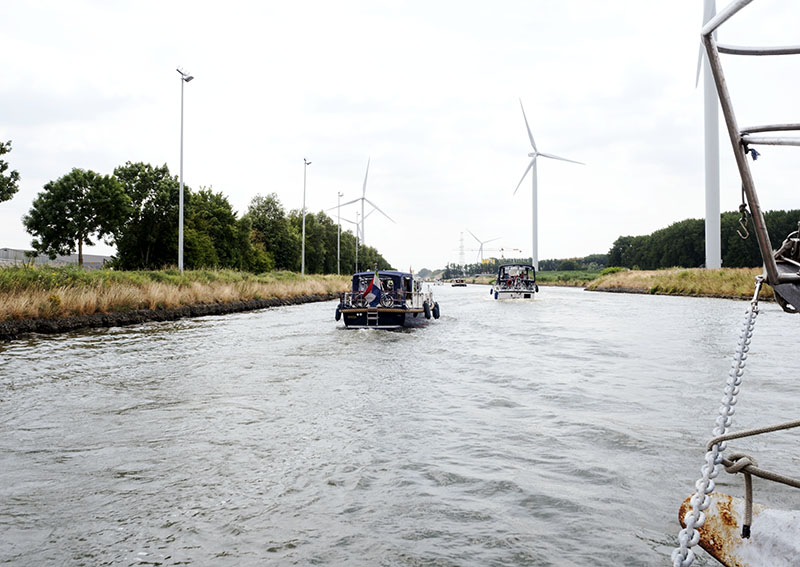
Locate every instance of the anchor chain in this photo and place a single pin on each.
(683, 556)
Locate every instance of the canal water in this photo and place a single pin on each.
(564, 431)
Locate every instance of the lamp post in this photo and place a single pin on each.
(185, 78)
(306, 163)
(338, 233)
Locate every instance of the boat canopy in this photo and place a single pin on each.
(506, 271)
(390, 280)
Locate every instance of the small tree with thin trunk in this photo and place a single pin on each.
(73, 210)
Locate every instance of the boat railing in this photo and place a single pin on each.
(394, 298)
(781, 273)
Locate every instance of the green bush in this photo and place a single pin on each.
(613, 270)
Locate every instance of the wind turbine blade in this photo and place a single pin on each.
(551, 156)
(473, 236)
(341, 205)
(492, 240)
(379, 210)
(349, 202)
(530, 136)
(530, 165)
(364, 190)
(699, 65)
(369, 213)
(709, 11)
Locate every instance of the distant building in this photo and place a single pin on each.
(12, 257)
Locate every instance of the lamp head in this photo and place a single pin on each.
(184, 75)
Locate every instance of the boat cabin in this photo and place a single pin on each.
(510, 272)
(399, 286)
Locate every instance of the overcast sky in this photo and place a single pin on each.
(428, 90)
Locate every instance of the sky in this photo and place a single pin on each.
(428, 91)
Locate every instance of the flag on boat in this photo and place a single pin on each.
(372, 295)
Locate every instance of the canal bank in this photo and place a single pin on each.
(55, 300)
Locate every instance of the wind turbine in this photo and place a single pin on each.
(711, 132)
(532, 166)
(363, 200)
(481, 243)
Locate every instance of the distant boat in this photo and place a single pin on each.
(458, 283)
(386, 300)
(515, 281)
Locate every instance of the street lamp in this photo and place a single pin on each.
(185, 78)
(306, 163)
(338, 233)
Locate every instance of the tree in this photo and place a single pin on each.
(212, 232)
(273, 232)
(568, 266)
(74, 209)
(8, 181)
(149, 236)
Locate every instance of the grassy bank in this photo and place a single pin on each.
(738, 283)
(47, 292)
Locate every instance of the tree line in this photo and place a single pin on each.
(136, 210)
(683, 243)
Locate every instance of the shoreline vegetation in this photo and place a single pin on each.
(52, 300)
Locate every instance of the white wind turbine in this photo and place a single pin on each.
(363, 200)
(711, 131)
(481, 243)
(532, 166)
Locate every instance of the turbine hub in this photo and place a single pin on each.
(534, 154)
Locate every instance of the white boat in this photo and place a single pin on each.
(515, 281)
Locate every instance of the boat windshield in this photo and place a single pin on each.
(516, 271)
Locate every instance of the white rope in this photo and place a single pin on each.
(683, 556)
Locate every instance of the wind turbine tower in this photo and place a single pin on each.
(711, 132)
(532, 168)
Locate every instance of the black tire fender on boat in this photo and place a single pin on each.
(427, 309)
(436, 310)
(495, 295)
(536, 288)
(338, 313)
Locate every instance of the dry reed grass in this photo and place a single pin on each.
(117, 293)
(725, 282)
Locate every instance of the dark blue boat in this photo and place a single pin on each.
(386, 300)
